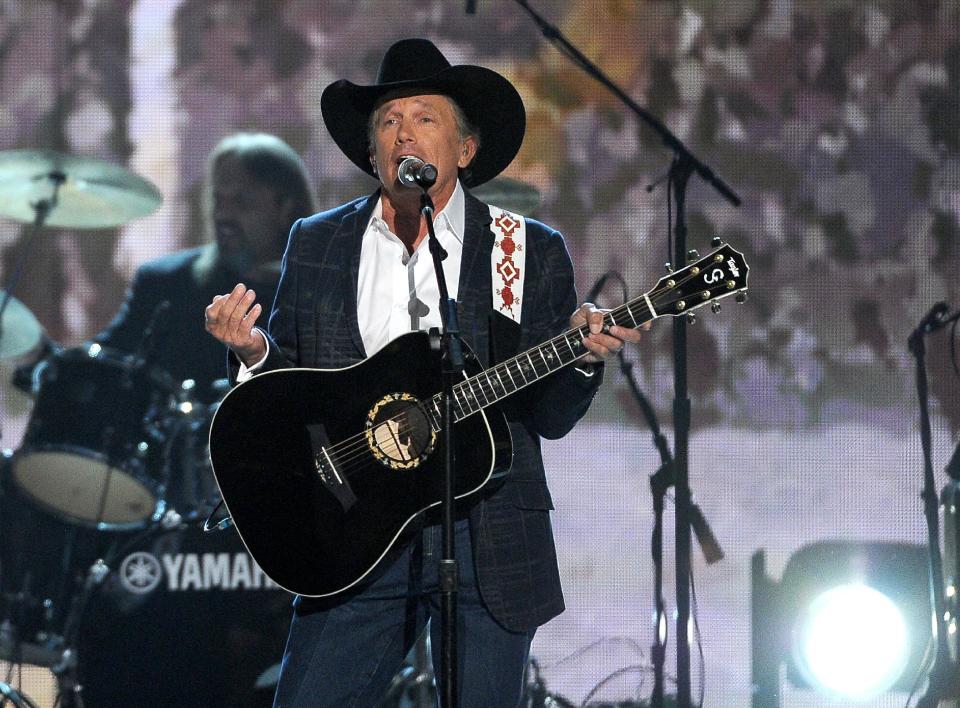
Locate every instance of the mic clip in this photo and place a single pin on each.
(209, 526)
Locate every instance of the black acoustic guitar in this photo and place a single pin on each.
(322, 470)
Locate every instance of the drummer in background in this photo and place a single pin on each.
(255, 187)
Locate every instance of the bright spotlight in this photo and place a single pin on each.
(848, 619)
(852, 642)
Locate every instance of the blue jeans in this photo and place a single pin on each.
(345, 655)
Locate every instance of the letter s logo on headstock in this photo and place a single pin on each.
(713, 276)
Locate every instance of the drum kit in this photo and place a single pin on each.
(106, 433)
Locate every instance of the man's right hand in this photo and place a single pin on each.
(230, 318)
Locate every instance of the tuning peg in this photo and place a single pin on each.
(716, 242)
(741, 297)
(691, 318)
(693, 254)
(668, 266)
(715, 306)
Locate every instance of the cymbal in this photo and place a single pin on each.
(20, 332)
(510, 194)
(93, 194)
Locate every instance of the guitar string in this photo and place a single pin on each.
(359, 443)
(357, 446)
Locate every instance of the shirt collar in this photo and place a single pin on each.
(452, 217)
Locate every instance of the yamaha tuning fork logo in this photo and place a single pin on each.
(141, 573)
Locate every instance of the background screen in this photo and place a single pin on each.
(837, 123)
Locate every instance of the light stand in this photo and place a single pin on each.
(683, 166)
(943, 681)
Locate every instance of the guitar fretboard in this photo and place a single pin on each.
(508, 377)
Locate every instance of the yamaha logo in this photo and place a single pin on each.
(140, 573)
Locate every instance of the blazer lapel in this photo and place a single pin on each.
(352, 229)
(474, 290)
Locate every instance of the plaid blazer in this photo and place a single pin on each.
(313, 323)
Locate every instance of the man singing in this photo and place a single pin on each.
(358, 276)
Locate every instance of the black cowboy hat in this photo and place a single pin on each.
(490, 103)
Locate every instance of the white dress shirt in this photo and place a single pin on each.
(396, 291)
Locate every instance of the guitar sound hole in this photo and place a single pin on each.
(399, 433)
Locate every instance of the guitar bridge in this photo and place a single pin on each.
(326, 467)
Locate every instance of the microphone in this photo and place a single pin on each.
(414, 172)
(158, 323)
(708, 542)
(932, 320)
(953, 467)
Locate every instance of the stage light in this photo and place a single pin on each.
(850, 620)
(851, 642)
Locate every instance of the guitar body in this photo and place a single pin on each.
(322, 470)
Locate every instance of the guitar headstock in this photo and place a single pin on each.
(719, 274)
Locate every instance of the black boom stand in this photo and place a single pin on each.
(41, 209)
(943, 678)
(684, 165)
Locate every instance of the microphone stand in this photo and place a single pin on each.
(660, 482)
(942, 679)
(42, 209)
(683, 166)
(451, 372)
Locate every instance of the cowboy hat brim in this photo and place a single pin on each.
(489, 101)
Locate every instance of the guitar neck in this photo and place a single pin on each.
(508, 377)
(719, 274)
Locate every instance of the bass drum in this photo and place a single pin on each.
(184, 619)
(92, 452)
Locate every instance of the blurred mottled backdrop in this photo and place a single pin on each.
(837, 121)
